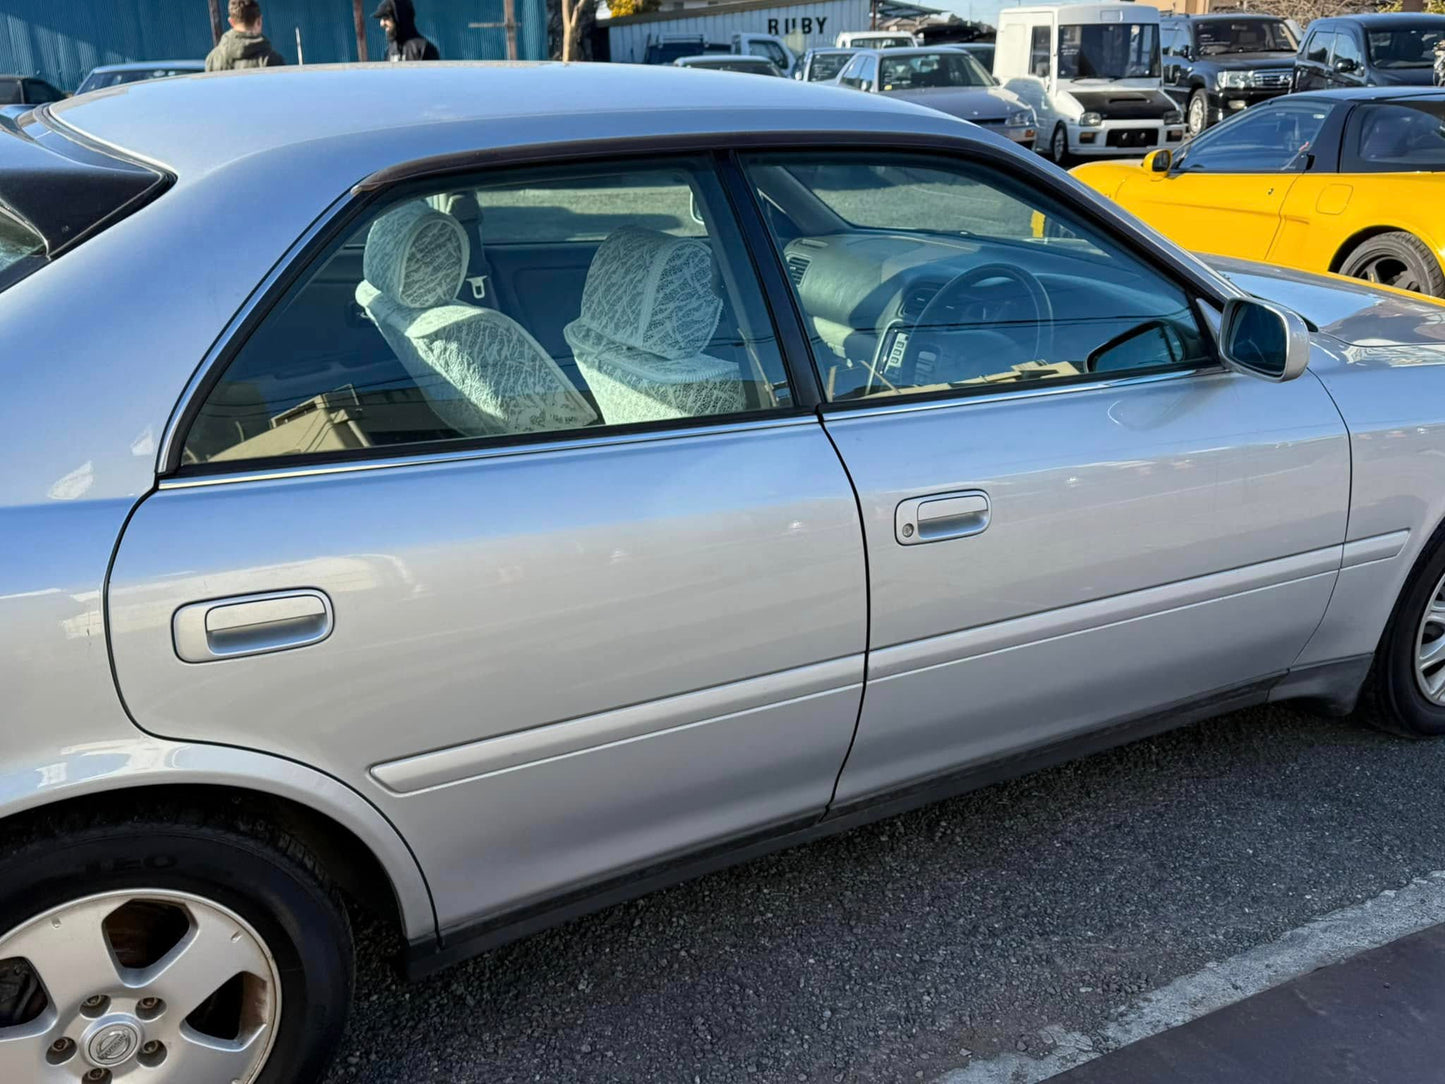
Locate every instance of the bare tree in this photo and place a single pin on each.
(578, 17)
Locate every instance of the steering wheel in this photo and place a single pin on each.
(966, 306)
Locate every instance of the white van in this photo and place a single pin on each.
(875, 39)
(1091, 73)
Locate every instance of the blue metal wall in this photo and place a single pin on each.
(61, 40)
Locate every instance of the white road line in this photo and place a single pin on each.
(1326, 940)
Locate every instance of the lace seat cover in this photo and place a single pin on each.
(648, 310)
(480, 371)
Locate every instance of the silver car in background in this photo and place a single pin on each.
(947, 79)
(489, 512)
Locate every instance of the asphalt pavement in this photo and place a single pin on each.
(917, 946)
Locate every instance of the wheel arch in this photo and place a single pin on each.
(359, 848)
(1360, 236)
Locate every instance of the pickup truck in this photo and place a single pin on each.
(670, 47)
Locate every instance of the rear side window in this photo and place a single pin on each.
(55, 193)
(1396, 137)
(508, 306)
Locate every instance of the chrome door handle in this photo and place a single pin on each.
(225, 628)
(940, 516)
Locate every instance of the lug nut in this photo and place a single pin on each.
(148, 1008)
(60, 1051)
(97, 1075)
(150, 1047)
(93, 1001)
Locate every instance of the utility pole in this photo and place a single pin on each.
(509, 23)
(216, 24)
(359, 19)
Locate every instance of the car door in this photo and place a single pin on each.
(1225, 192)
(1347, 65)
(556, 616)
(1312, 68)
(1074, 514)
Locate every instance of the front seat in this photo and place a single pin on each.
(479, 370)
(648, 310)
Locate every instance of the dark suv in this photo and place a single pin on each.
(1216, 65)
(1369, 51)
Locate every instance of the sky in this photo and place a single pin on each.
(985, 11)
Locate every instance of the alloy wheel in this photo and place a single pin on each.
(1392, 271)
(1196, 116)
(1059, 147)
(1430, 648)
(144, 985)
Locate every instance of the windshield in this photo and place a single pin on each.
(1404, 46)
(920, 71)
(1109, 51)
(20, 249)
(1218, 37)
(826, 66)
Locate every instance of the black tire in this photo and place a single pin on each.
(1396, 259)
(262, 874)
(1196, 112)
(1393, 700)
(1059, 146)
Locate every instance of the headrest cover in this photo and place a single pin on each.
(652, 292)
(417, 256)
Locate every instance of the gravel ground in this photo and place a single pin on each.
(898, 951)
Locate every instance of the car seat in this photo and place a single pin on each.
(648, 309)
(480, 371)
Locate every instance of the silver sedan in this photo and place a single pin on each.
(418, 491)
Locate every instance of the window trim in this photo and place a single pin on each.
(347, 209)
(329, 232)
(1168, 269)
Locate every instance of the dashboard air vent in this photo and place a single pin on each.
(797, 268)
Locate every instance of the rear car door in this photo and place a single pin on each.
(563, 590)
(1225, 192)
(1074, 514)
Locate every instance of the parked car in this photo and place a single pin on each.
(944, 79)
(1369, 50)
(1217, 65)
(822, 65)
(27, 90)
(1341, 180)
(1090, 72)
(752, 65)
(114, 75)
(875, 39)
(982, 51)
(669, 47)
(495, 575)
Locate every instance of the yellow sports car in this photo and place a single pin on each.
(1350, 181)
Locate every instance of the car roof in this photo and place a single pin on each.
(147, 65)
(1372, 94)
(834, 49)
(1223, 17)
(367, 116)
(1383, 17)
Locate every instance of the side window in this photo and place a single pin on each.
(1348, 55)
(506, 305)
(769, 50)
(868, 75)
(850, 76)
(1275, 137)
(1168, 36)
(1396, 138)
(922, 274)
(1039, 63)
(1317, 48)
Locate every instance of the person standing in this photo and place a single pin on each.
(403, 40)
(243, 46)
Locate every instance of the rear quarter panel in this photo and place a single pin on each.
(1327, 214)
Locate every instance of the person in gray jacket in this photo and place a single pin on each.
(243, 46)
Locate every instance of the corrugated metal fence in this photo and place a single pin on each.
(61, 40)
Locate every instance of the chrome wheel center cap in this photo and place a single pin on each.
(113, 1043)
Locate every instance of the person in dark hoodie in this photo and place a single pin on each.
(403, 40)
(243, 46)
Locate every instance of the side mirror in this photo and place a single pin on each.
(1264, 339)
(1344, 65)
(1159, 161)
